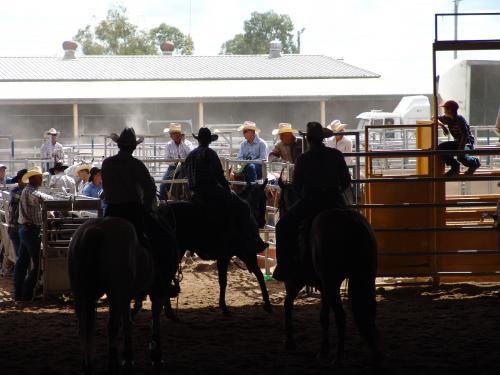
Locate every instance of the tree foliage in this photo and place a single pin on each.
(259, 31)
(116, 35)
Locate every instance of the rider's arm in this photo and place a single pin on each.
(218, 170)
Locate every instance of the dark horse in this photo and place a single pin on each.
(105, 257)
(195, 232)
(350, 255)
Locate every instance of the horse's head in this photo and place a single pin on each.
(255, 195)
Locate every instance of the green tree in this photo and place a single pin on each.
(116, 35)
(183, 43)
(259, 31)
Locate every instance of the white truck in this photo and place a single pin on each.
(409, 110)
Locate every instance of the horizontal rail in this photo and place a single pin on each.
(431, 253)
(476, 177)
(423, 153)
(438, 274)
(476, 228)
(424, 205)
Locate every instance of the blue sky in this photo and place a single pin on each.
(390, 37)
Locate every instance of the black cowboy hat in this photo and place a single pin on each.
(93, 172)
(204, 134)
(18, 176)
(316, 131)
(126, 138)
(57, 167)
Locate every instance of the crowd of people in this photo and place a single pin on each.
(129, 191)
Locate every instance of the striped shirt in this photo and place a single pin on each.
(13, 211)
(459, 129)
(30, 208)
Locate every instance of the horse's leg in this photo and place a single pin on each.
(155, 344)
(292, 290)
(137, 305)
(324, 318)
(128, 353)
(222, 266)
(253, 267)
(85, 311)
(113, 326)
(169, 312)
(340, 318)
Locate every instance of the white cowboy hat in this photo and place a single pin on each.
(174, 127)
(52, 131)
(35, 171)
(284, 127)
(336, 126)
(249, 125)
(81, 167)
(3, 166)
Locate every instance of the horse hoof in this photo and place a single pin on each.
(158, 365)
(268, 308)
(127, 366)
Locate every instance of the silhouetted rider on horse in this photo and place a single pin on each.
(130, 193)
(211, 190)
(320, 177)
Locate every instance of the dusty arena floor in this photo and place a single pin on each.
(451, 330)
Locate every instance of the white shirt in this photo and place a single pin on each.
(344, 145)
(61, 180)
(54, 152)
(178, 151)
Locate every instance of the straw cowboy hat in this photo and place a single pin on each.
(35, 171)
(249, 125)
(204, 134)
(316, 131)
(174, 127)
(126, 138)
(284, 127)
(82, 167)
(336, 126)
(52, 131)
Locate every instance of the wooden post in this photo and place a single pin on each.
(200, 115)
(75, 121)
(322, 112)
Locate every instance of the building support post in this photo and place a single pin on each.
(200, 115)
(322, 112)
(75, 121)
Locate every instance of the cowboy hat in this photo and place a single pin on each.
(52, 131)
(18, 176)
(35, 171)
(336, 126)
(174, 127)
(82, 167)
(126, 138)
(3, 166)
(204, 134)
(316, 131)
(284, 127)
(57, 167)
(249, 125)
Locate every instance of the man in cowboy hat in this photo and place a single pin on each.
(129, 189)
(13, 209)
(252, 148)
(51, 149)
(177, 148)
(289, 146)
(338, 141)
(30, 222)
(59, 179)
(3, 179)
(462, 140)
(82, 172)
(319, 187)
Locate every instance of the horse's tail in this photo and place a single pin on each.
(84, 279)
(362, 283)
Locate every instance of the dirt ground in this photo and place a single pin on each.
(450, 330)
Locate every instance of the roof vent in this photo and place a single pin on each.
(275, 49)
(167, 48)
(69, 50)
